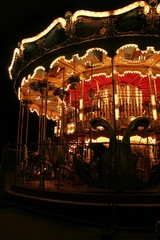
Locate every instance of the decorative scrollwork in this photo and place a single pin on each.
(70, 28)
(153, 16)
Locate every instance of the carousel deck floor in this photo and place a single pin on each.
(79, 203)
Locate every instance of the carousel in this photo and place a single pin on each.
(96, 77)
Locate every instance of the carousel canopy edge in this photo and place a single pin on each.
(136, 19)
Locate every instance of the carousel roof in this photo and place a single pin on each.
(92, 46)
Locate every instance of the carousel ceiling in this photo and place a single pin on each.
(82, 46)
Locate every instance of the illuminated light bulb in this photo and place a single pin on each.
(80, 116)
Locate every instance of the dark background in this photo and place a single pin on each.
(22, 19)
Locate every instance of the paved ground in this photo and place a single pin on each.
(19, 224)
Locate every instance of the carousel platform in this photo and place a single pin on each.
(79, 203)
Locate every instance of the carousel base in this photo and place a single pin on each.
(85, 205)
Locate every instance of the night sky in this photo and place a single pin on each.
(22, 19)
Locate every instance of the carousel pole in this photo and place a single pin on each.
(39, 130)
(25, 150)
(21, 138)
(42, 143)
(44, 92)
(153, 94)
(74, 83)
(109, 231)
(42, 119)
(45, 114)
(27, 124)
(61, 154)
(91, 96)
(62, 134)
(40, 124)
(114, 116)
(81, 107)
(113, 162)
(40, 137)
(18, 140)
(75, 102)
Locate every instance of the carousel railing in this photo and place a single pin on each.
(55, 169)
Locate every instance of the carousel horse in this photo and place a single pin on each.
(119, 162)
(105, 156)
